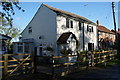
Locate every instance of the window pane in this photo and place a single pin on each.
(20, 49)
(79, 26)
(20, 44)
(71, 23)
(92, 28)
(67, 22)
(26, 48)
(87, 27)
(30, 29)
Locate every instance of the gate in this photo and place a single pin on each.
(16, 64)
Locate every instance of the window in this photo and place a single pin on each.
(89, 28)
(67, 22)
(30, 30)
(20, 48)
(26, 48)
(40, 51)
(71, 24)
(80, 26)
(92, 28)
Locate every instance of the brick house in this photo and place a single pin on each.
(106, 37)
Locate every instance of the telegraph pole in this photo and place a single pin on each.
(113, 6)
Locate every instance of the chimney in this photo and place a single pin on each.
(98, 22)
(118, 29)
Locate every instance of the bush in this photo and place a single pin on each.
(48, 48)
(83, 52)
(65, 51)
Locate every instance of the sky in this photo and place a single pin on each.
(93, 11)
(69, 0)
(119, 14)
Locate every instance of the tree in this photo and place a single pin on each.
(8, 30)
(8, 9)
(6, 20)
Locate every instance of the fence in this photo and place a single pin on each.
(15, 64)
(81, 60)
(104, 56)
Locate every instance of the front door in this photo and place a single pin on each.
(90, 46)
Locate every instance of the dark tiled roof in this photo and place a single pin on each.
(68, 13)
(64, 37)
(104, 29)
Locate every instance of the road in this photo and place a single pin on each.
(95, 73)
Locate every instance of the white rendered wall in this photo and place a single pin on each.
(43, 24)
(89, 37)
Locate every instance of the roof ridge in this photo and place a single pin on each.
(107, 30)
(68, 13)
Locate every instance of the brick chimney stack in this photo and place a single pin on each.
(98, 23)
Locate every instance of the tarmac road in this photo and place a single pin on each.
(95, 73)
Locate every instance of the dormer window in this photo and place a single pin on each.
(30, 30)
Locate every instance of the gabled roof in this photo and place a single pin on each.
(64, 37)
(4, 37)
(68, 13)
(104, 29)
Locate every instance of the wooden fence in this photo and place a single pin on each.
(104, 56)
(15, 64)
(96, 58)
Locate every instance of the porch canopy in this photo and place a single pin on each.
(64, 37)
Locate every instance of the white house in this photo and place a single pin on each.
(60, 30)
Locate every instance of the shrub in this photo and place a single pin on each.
(65, 51)
(83, 52)
(48, 48)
